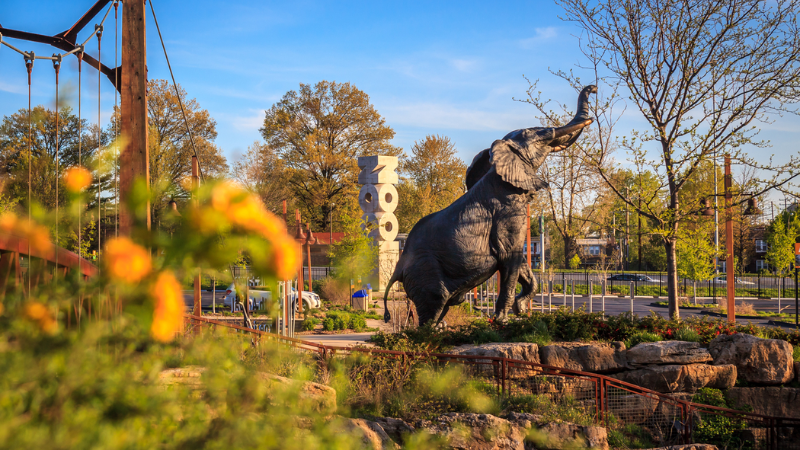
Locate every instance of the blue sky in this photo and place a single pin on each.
(449, 68)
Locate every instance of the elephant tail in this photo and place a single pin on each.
(387, 316)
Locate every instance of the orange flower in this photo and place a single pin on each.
(285, 258)
(39, 314)
(37, 235)
(169, 307)
(127, 261)
(77, 179)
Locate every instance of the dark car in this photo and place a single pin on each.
(630, 277)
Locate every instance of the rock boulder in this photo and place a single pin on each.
(667, 352)
(678, 378)
(372, 434)
(762, 361)
(567, 435)
(586, 357)
(768, 400)
(475, 431)
(512, 350)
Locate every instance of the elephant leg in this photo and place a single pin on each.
(431, 307)
(508, 289)
(529, 285)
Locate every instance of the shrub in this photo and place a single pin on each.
(796, 353)
(642, 336)
(358, 323)
(309, 323)
(539, 335)
(716, 429)
(328, 324)
(334, 291)
(687, 334)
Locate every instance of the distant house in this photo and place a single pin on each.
(595, 250)
(536, 251)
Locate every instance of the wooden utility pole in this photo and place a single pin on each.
(300, 283)
(134, 158)
(197, 310)
(729, 269)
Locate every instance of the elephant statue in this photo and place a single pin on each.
(450, 252)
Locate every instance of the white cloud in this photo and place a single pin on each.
(439, 116)
(542, 35)
(463, 65)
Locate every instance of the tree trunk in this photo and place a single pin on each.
(569, 250)
(670, 245)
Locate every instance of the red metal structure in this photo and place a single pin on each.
(40, 267)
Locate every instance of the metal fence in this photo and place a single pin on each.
(747, 286)
(600, 399)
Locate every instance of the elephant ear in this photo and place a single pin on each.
(479, 167)
(512, 169)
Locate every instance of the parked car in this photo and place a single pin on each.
(310, 299)
(724, 280)
(631, 277)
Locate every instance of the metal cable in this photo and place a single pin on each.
(177, 93)
(116, 148)
(80, 160)
(57, 67)
(29, 67)
(99, 33)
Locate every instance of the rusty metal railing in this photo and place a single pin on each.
(603, 399)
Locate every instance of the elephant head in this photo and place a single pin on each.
(520, 153)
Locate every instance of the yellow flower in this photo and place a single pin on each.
(126, 260)
(37, 235)
(38, 313)
(169, 307)
(77, 179)
(285, 258)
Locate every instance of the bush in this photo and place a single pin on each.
(687, 334)
(717, 429)
(358, 323)
(796, 353)
(540, 335)
(334, 291)
(328, 324)
(642, 336)
(309, 323)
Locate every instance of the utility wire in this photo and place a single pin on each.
(177, 93)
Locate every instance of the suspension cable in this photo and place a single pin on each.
(116, 148)
(99, 33)
(177, 93)
(29, 66)
(80, 159)
(57, 67)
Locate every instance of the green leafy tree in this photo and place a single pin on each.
(433, 179)
(319, 132)
(780, 243)
(575, 262)
(696, 252)
(356, 255)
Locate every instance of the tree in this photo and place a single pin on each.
(433, 178)
(262, 172)
(574, 190)
(781, 237)
(319, 132)
(696, 253)
(43, 152)
(701, 74)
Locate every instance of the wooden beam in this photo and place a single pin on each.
(135, 158)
